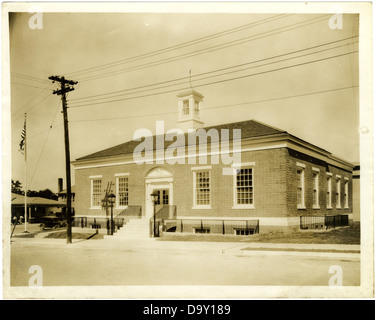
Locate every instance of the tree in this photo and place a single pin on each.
(48, 194)
(17, 187)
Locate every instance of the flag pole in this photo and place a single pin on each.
(25, 179)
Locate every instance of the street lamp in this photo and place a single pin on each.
(154, 196)
(111, 198)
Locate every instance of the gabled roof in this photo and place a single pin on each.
(249, 129)
(18, 199)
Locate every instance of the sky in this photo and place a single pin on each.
(291, 71)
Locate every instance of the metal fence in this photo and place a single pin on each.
(337, 221)
(323, 222)
(98, 223)
(205, 226)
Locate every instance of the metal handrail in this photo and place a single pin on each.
(162, 212)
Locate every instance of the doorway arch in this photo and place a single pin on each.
(157, 179)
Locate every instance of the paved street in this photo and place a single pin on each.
(150, 262)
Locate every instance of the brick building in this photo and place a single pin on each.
(268, 175)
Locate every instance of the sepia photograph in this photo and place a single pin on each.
(176, 150)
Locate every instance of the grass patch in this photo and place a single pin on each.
(26, 235)
(344, 235)
(62, 235)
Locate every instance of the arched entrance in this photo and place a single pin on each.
(161, 181)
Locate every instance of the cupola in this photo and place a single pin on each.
(189, 109)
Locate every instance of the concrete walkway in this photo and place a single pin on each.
(230, 248)
(36, 237)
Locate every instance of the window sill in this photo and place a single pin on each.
(95, 208)
(338, 208)
(201, 207)
(329, 208)
(301, 208)
(243, 207)
(316, 208)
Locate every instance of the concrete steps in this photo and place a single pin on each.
(134, 229)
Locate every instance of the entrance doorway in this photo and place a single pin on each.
(163, 197)
(161, 181)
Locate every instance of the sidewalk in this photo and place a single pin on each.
(150, 245)
(33, 231)
(19, 230)
(312, 250)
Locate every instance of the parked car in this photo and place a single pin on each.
(53, 221)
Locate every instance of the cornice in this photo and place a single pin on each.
(281, 140)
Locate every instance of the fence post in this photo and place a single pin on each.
(325, 222)
(182, 228)
(223, 227)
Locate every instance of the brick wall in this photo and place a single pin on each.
(269, 178)
(310, 163)
(274, 180)
(268, 181)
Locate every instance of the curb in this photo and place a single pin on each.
(317, 253)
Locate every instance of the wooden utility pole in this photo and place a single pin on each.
(65, 88)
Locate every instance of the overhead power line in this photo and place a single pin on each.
(30, 78)
(179, 46)
(30, 105)
(209, 49)
(215, 82)
(44, 144)
(27, 85)
(187, 79)
(222, 106)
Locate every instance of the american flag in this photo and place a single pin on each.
(23, 138)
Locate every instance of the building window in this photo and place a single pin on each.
(96, 193)
(338, 193)
(196, 109)
(201, 230)
(243, 232)
(329, 192)
(163, 197)
(346, 193)
(202, 188)
(244, 188)
(300, 188)
(122, 191)
(185, 107)
(316, 189)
